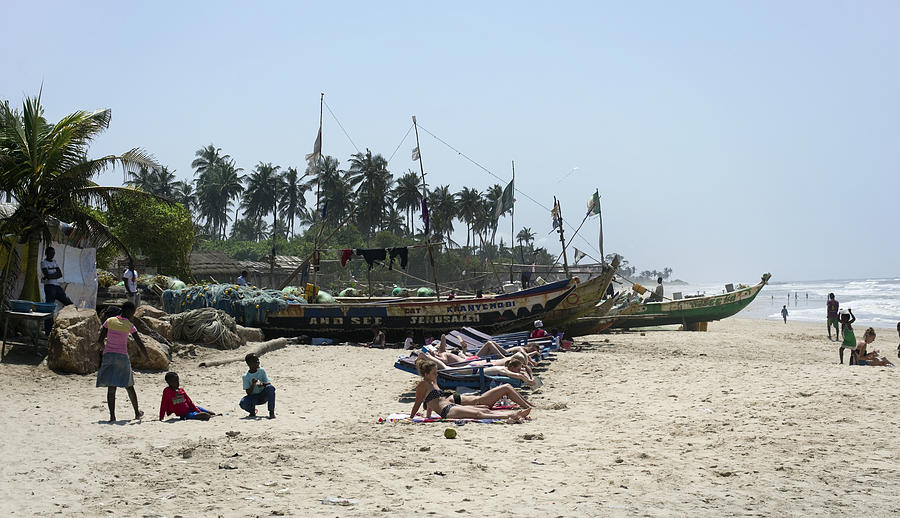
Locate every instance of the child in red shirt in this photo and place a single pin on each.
(176, 401)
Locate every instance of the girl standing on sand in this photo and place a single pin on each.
(429, 394)
(847, 319)
(115, 367)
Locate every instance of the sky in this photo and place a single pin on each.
(727, 139)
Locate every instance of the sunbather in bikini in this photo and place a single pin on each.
(490, 348)
(429, 395)
(512, 367)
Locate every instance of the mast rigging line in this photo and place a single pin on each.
(341, 126)
(488, 171)
(401, 143)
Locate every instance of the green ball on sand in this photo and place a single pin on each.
(450, 433)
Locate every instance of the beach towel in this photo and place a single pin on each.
(404, 416)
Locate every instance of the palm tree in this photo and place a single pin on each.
(163, 181)
(293, 199)
(394, 221)
(183, 193)
(261, 196)
(249, 229)
(46, 169)
(467, 205)
(525, 235)
(369, 175)
(333, 191)
(207, 157)
(491, 195)
(216, 188)
(442, 205)
(408, 196)
(143, 179)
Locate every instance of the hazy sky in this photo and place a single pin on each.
(726, 138)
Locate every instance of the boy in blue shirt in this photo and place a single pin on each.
(258, 388)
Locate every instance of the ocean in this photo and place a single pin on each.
(875, 302)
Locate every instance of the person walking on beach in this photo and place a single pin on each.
(53, 291)
(784, 313)
(831, 307)
(115, 365)
(129, 278)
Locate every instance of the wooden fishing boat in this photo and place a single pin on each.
(595, 322)
(687, 312)
(581, 300)
(355, 321)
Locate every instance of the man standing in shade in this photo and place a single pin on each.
(129, 278)
(53, 291)
(832, 315)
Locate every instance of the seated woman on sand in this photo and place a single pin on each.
(429, 394)
(873, 358)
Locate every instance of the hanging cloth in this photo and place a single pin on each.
(346, 254)
(370, 255)
(402, 252)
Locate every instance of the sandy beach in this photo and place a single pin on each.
(749, 418)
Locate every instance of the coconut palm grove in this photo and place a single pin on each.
(46, 171)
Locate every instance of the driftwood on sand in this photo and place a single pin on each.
(258, 349)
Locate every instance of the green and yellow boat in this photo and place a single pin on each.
(691, 312)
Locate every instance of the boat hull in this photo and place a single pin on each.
(354, 321)
(686, 311)
(582, 300)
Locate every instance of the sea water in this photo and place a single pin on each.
(875, 302)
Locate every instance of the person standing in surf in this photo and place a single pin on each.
(832, 316)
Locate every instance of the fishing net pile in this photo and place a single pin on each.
(246, 304)
(207, 326)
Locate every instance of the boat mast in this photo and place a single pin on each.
(562, 239)
(315, 262)
(437, 289)
(512, 227)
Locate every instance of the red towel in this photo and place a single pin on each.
(345, 256)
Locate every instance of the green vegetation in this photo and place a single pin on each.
(45, 169)
(161, 231)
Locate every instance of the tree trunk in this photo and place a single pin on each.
(31, 289)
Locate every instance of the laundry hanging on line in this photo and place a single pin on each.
(399, 251)
(370, 255)
(346, 254)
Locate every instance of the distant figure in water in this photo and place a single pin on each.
(831, 308)
(784, 313)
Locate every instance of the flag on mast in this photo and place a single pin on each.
(415, 153)
(579, 255)
(593, 204)
(313, 158)
(506, 200)
(425, 215)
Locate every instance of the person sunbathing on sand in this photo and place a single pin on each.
(429, 394)
(512, 367)
(874, 358)
(490, 348)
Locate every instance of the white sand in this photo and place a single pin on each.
(752, 417)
